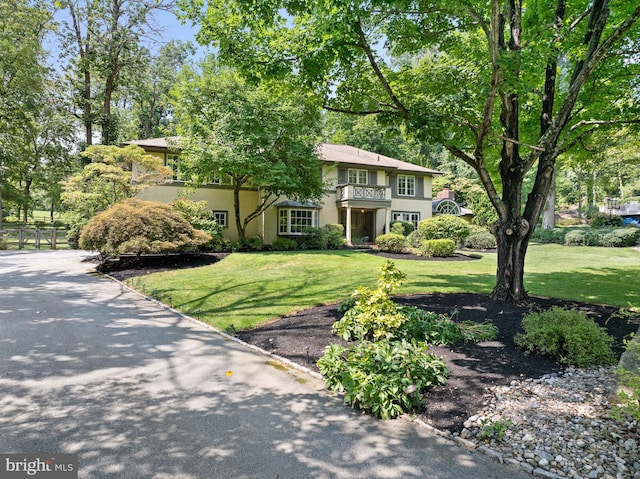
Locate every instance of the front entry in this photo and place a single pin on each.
(362, 224)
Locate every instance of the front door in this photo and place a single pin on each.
(362, 225)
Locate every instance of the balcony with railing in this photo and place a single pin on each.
(359, 193)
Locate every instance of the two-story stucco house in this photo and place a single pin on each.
(366, 193)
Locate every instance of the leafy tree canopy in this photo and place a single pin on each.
(256, 135)
(505, 85)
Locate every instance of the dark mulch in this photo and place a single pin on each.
(473, 368)
(128, 266)
(302, 338)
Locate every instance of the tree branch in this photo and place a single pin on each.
(364, 44)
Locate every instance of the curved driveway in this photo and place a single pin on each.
(138, 391)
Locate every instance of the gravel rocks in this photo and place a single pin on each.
(559, 425)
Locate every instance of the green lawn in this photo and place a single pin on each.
(246, 289)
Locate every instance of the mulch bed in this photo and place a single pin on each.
(302, 337)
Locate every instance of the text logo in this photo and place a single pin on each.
(39, 466)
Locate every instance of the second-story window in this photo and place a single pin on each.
(406, 185)
(173, 162)
(358, 177)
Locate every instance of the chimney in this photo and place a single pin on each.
(446, 194)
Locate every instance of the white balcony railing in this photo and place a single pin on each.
(364, 192)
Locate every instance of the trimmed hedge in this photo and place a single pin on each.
(391, 242)
(480, 241)
(439, 248)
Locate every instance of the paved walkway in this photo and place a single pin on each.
(138, 391)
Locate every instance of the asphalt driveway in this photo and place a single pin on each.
(138, 391)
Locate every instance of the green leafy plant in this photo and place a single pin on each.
(441, 329)
(371, 314)
(449, 227)
(628, 372)
(491, 429)
(566, 335)
(391, 242)
(620, 238)
(385, 378)
(483, 240)
(604, 219)
(200, 217)
(403, 228)
(284, 244)
(439, 248)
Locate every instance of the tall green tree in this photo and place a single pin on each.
(505, 85)
(23, 25)
(102, 39)
(42, 149)
(254, 135)
(108, 179)
(149, 87)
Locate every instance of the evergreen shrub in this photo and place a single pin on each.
(566, 335)
(438, 248)
(480, 241)
(391, 243)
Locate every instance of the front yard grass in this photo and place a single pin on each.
(248, 289)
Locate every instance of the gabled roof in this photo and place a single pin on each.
(167, 142)
(342, 154)
(355, 156)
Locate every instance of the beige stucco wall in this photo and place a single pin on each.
(217, 198)
(220, 198)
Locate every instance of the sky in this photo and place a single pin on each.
(172, 28)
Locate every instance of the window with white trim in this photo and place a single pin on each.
(221, 180)
(221, 218)
(406, 185)
(406, 216)
(295, 221)
(173, 162)
(358, 177)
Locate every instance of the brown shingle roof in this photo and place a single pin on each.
(328, 152)
(355, 156)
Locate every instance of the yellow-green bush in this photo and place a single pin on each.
(439, 248)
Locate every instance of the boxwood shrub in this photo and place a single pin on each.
(483, 240)
(439, 248)
(391, 242)
(566, 335)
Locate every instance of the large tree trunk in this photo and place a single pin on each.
(236, 208)
(513, 240)
(549, 215)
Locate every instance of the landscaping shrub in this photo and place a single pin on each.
(404, 228)
(480, 241)
(569, 222)
(327, 237)
(413, 239)
(439, 248)
(385, 378)
(440, 329)
(567, 336)
(549, 235)
(582, 237)
(603, 219)
(284, 244)
(373, 314)
(200, 217)
(444, 227)
(628, 373)
(620, 238)
(135, 226)
(391, 242)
